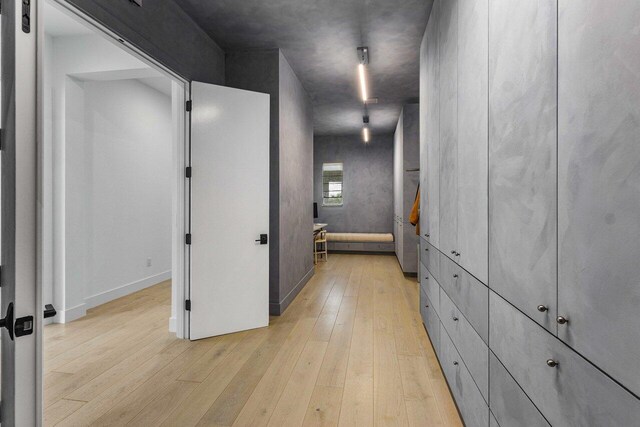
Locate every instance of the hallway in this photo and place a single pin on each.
(350, 350)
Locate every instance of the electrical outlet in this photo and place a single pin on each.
(148, 262)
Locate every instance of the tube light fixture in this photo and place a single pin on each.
(365, 134)
(363, 82)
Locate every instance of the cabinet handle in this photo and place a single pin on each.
(457, 253)
(453, 252)
(455, 276)
(552, 363)
(542, 308)
(455, 363)
(426, 278)
(562, 320)
(426, 306)
(455, 319)
(427, 235)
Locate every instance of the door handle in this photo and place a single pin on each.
(7, 321)
(264, 239)
(49, 311)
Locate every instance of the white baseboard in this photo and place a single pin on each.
(73, 313)
(129, 288)
(80, 310)
(172, 324)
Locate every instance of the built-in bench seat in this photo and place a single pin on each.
(360, 242)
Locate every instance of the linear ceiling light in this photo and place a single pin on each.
(363, 82)
(365, 134)
(363, 59)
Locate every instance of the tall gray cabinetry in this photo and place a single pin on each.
(406, 161)
(530, 168)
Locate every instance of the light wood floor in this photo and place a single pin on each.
(350, 351)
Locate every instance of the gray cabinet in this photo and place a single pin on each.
(430, 131)
(430, 286)
(430, 319)
(472, 163)
(599, 184)
(472, 406)
(448, 97)
(406, 179)
(571, 393)
(472, 349)
(522, 155)
(509, 403)
(469, 295)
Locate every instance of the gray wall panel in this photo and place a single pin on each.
(164, 31)
(296, 183)
(522, 156)
(368, 180)
(473, 220)
(599, 183)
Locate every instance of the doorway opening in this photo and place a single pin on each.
(113, 205)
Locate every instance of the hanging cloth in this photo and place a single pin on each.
(414, 217)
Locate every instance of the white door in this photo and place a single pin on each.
(229, 210)
(22, 325)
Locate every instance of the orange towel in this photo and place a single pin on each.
(414, 217)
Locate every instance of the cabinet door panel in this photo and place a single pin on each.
(522, 155)
(430, 319)
(433, 129)
(599, 184)
(473, 158)
(574, 393)
(430, 286)
(472, 349)
(509, 402)
(469, 294)
(448, 43)
(473, 408)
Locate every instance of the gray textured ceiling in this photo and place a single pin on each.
(319, 39)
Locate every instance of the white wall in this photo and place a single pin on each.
(91, 258)
(127, 131)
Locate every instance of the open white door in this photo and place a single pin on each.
(20, 308)
(229, 289)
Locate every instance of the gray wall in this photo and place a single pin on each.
(291, 194)
(296, 184)
(368, 183)
(164, 31)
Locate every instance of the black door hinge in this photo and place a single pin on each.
(188, 239)
(188, 173)
(189, 105)
(187, 305)
(26, 16)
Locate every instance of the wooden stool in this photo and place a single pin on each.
(320, 240)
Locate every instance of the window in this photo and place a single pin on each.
(332, 184)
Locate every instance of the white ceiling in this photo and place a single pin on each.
(58, 23)
(161, 84)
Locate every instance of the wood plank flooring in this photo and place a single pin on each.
(349, 351)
